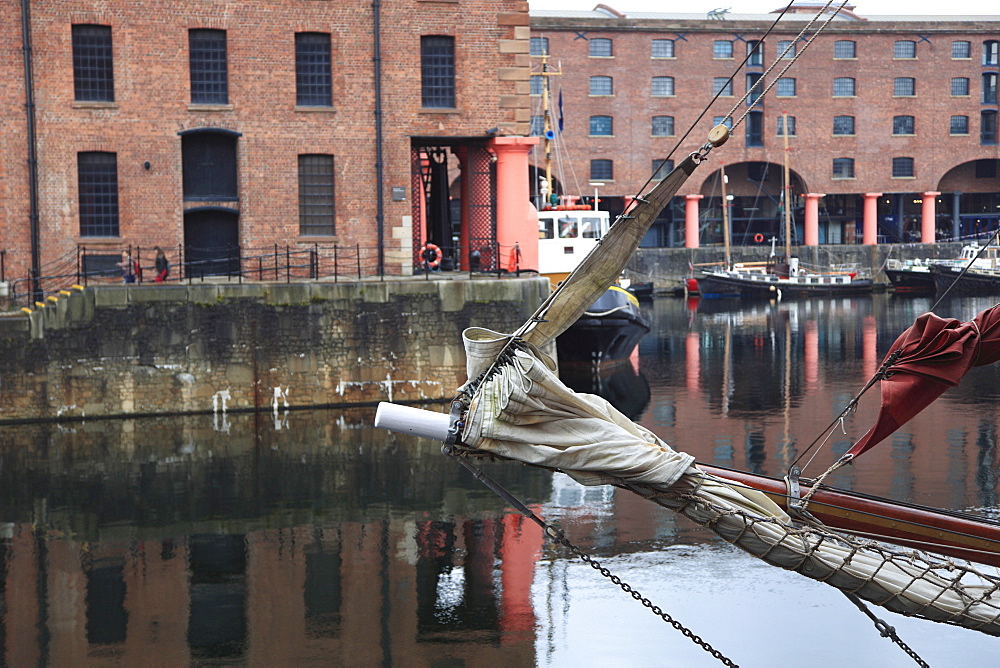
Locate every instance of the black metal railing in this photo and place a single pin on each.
(103, 265)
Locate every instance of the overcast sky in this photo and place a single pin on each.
(862, 7)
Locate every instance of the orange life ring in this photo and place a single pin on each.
(758, 237)
(435, 251)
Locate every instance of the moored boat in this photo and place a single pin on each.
(976, 272)
(607, 331)
(910, 276)
(777, 280)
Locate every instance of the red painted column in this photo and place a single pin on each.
(691, 220)
(692, 361)
(928, 228)
(869, 235)
(517, 219)
(812, 218)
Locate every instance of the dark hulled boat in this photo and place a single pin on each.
(779, 280)
(607, 331)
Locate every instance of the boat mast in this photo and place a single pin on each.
(725, 215)
(547, 133)
(787, 193)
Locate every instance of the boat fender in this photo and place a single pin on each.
(431, 254)
(758, 237)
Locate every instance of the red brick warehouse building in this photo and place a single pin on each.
(896, 115)
(220, 131)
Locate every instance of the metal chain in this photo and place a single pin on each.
(557, 536)
(886, 630)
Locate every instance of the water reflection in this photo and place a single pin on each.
(307, 537)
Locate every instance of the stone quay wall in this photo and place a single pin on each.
(116, 351)
(667, 268)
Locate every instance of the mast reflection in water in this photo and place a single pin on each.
(310, 538)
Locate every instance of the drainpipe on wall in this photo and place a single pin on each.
(29, 105)
(379, 167)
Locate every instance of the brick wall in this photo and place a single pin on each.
(943, 162)
(152, 105)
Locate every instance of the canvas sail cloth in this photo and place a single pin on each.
(935, 353)
(520, 410)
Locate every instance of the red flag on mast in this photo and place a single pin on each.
(934, 354)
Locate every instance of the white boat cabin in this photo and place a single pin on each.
(565, 237)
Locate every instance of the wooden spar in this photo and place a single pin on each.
(547, 132)
(881, 519)
(788, 193)
(725, 216)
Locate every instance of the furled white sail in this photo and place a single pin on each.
(519, 409)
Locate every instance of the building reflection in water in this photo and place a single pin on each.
(308, 537)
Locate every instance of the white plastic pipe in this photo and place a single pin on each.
(410, 420)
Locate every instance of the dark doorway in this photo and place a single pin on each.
(211, 242)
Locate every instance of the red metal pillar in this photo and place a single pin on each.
(869, 235)
(928, 227)
(691, 220)
(517, 219)
(812, 218)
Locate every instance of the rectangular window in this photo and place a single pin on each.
(989, 88)
(785, 87)
(986, 169)
(755, 51)
(902, 168)
(960, 86)
(209, 68)
(601, 126)
(786, 48)
(661, 168)
(843, 168)
(904, 48)
(722, 48)
(754, 89)
(781, 126)
(988, 127)
(316, 195)
(902, 125)
(991, 52)
(537, 84)
(437, 71)
(313, 76)
(961, 50)
(845, 49)
(663, 48)
(843, 87)
(663, 86)
(843, 125)
(904, 87)
(959, 125)
(539, 46)
(93, 64)
(663, 126)
(722, 120)
(601, 85)
(755, 128)
(722, 86)
(600, 47)
(97, 178)
(602, 170)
